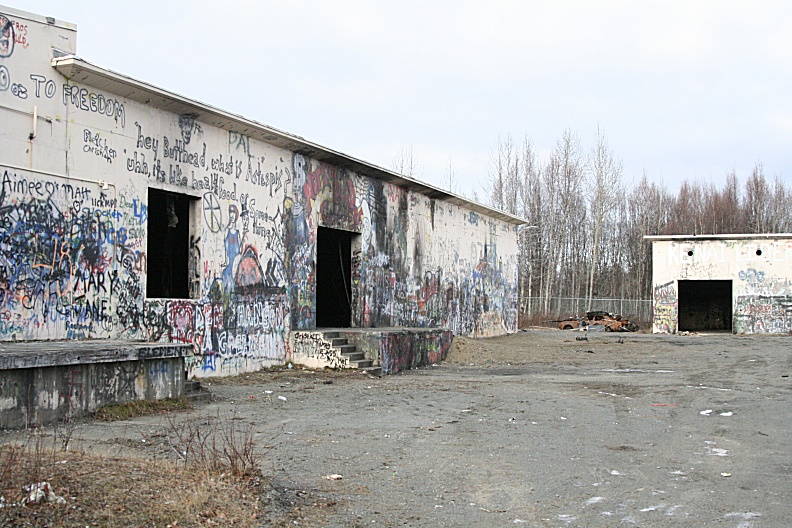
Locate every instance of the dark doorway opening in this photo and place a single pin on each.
(168, 245)
(333, 278)
(705, 305)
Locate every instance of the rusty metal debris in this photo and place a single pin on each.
(598, 320)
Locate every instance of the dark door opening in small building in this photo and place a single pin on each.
(333, 278)
(705, 305)
(168, 245)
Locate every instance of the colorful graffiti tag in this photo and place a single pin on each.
(77, 250)
(665, 308)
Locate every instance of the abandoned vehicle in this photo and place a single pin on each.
(599, 320)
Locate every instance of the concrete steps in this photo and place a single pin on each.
(195, 393)
(355, 357)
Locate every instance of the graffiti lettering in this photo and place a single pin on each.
(239, 141)
(665, 308)
(146, 142)
(5, 79)
(98, 146)
(19, 90)
(138, 165)
(178, 153)
(49, 85)
(87, 101)
(20, 34)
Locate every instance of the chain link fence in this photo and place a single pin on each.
(560, 307)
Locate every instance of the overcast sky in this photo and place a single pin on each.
(682, 89)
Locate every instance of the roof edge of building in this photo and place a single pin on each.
(732, 236)
(79, 70)
(34, 17)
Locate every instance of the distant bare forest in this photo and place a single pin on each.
(586, 223)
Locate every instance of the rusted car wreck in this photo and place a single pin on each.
(598, 320)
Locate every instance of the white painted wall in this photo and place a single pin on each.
(74, 248)
(760, 270)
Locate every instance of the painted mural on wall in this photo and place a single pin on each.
(74, 242)
(763, 304)
(406, 271)
(665, 308)
(417, 274)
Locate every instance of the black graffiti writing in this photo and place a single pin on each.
(273, 180)
(49, 85)
(96, 103)
(97, 145)
(229, 167)
(5, 79)
(179, 153)
(146, 142)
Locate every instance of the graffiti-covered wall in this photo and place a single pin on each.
(109, 202)
(758, 268)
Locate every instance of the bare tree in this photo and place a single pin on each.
(562, 180)
(451, 181)
(757, 204)
(781, 209)
(501, 160)
(406, 162)
(530, 208)
(603, 188)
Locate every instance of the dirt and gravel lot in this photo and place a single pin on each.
(533, 429)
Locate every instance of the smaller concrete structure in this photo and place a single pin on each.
(47, 382)
(735, 283)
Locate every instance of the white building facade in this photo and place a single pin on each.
(130, 212)
(735, 283)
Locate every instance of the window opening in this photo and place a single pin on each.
(169, 246)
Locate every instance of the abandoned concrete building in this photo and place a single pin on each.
(146, 235)
(731, 283)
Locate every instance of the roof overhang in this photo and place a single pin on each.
(81, 71)
(742, 236)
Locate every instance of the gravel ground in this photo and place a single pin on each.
(536, 429)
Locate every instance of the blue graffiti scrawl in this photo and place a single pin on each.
(56, 251)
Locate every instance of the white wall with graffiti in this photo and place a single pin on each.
(759, 268)
(77, 251)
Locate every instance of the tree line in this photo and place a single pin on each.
(586, 223)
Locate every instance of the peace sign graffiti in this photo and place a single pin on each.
(212, 212)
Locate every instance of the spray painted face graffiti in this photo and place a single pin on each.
(6, 37)
(187, 125)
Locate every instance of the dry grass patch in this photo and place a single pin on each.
(120, 492)
(124, 411)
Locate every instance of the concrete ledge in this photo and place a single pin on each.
(33, 354)
(404, 348)
(44, 382)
